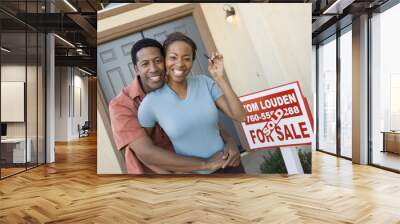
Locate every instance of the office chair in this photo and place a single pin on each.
(84, 130)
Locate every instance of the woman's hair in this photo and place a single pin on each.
(178, 36)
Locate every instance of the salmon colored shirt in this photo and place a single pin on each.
(126, 128)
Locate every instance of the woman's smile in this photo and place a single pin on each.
(178, 72)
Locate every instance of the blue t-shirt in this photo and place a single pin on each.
(191, 123)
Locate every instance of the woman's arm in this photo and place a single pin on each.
(229, 103)
(154, 168)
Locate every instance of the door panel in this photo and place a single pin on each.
(115, 65)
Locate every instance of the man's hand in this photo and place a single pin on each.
(231, 154)
(215, 162)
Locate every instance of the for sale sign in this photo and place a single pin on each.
(279, 116)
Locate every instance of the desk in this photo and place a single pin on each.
(13, 150)
(391, 141)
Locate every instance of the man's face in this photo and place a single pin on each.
(150, 68)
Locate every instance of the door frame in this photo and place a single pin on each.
(191, 9)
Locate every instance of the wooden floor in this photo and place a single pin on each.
(70, 191)
(10, 171)
(386, 159)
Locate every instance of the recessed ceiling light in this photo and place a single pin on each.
(84, 71)
(337, 7)
(5, 50)
(70, 5)
(64, 40)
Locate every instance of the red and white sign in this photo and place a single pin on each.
(279, 116)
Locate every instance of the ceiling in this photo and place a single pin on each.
(329, 16)
(73, 20)
(77, 24)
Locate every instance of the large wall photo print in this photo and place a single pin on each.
(200, 88)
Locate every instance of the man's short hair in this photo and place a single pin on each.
(143, 43)
(178, 36)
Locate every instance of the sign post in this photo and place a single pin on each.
(292, 161)
(279, 117)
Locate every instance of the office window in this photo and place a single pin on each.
(327, 96)
(346, 93)
(385, 87)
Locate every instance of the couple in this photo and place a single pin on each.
(186, 107)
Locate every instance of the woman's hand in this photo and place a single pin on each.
(216, 66)
(231, 154)
(215, 162)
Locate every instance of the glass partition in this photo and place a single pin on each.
(22, 67)
(346, 93)
(41, 109)
(327, 96)
(31, 98)
(13, 95)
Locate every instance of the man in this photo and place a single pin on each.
(141, 154)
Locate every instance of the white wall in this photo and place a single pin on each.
(33, 127)
(82, 83)
(15, 72)
(61, 103)
(267, 45)
(107, 163)
(80, 104)
(69, 82)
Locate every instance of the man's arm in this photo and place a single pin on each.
(153, 155)
(129, 134)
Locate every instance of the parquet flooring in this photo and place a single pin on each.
(70, 191)
(10, 171)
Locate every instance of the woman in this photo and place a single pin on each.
(186, 107)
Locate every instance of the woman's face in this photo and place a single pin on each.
(178, 61)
